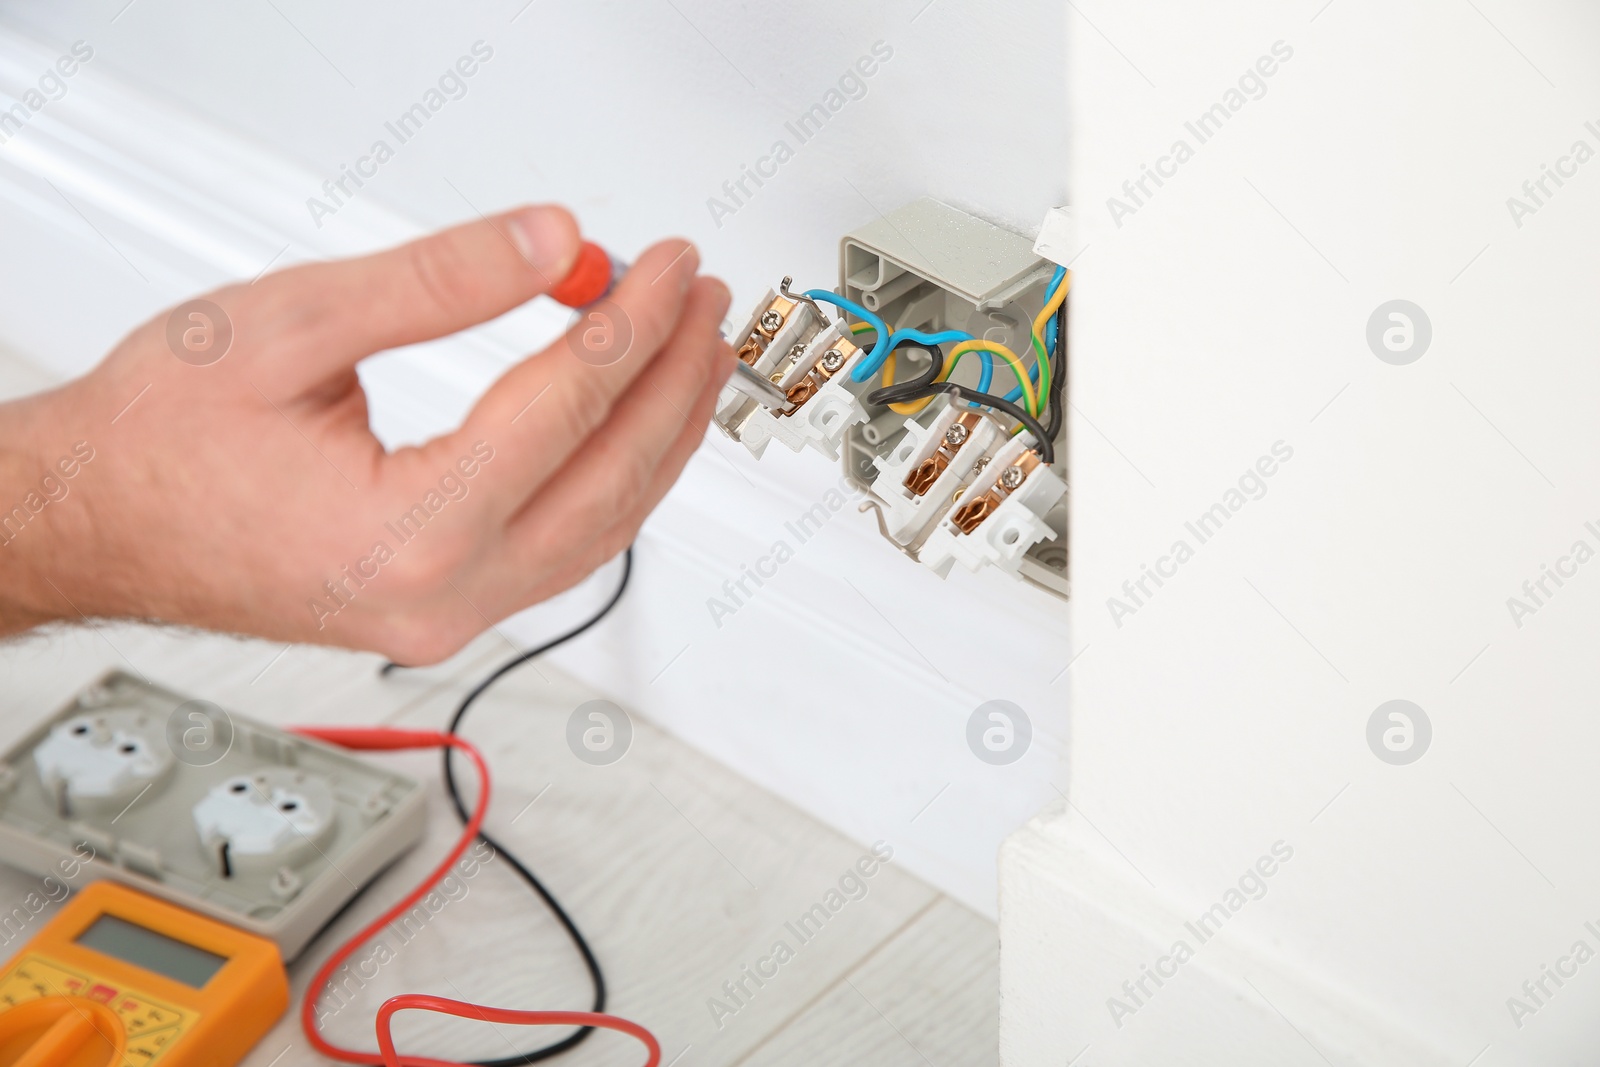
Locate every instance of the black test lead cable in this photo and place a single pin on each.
(571, 1040)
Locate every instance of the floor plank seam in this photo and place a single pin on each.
(844, 977)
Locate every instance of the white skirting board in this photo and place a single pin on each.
(844, 684)
(1091, 974)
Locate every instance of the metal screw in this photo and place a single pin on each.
(1011, 477)
(832, 360)
(977, 468)
(771, 320)
(795, 350)
(956, 435)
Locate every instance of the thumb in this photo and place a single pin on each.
(429, 288)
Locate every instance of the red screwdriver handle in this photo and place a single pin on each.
(590, 278)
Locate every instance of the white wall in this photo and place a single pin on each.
(1230, 712)
(627, 110)
(195, 136)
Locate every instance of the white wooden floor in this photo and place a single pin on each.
(681, 872)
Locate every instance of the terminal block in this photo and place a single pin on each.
(823, 402)
(918, 479)
(953, 482)
(778, 330)
(1000, 515)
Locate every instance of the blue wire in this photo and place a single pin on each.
(880, 347)
(1049, 334)
(885, 342)
(944, 337)
(1055, 280)
(1049, 293)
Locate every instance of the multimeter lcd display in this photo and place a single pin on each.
(132, 943)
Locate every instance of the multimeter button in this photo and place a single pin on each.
(60, 1032)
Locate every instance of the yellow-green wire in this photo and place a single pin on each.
(1029, 397)
(1050, 308)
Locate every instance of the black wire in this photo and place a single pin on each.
(573, 1039)
(924, 385)
(1058, 370)
(1047, 448)
(891, 394)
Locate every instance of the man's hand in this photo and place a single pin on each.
(248, 494)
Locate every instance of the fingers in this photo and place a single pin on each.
(592, 509)
(620, 463)
(544, 408)
(346, 310)
(584, 557)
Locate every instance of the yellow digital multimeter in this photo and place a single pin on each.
(120, 979)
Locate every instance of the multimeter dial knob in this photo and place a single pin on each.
(61, 1032)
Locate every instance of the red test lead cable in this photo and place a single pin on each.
(370, 738)
(503, 1015)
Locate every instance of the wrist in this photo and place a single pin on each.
(41, 466)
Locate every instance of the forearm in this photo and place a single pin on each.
(42, 464)
(245, 491)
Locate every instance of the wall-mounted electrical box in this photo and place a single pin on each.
(952, 478)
